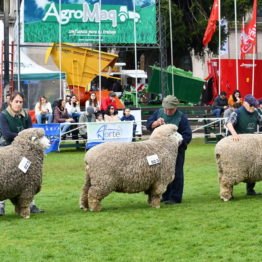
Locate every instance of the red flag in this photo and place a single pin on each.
(249, 34)
(211, 27)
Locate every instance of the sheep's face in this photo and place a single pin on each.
(166, 131)
(34, 136)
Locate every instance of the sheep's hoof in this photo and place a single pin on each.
(83, 208)
(156, 206)
(225, 199)
(27, 217)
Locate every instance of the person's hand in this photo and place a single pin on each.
(69, 120)
(160, 121)
(225, 107)
(236, 137)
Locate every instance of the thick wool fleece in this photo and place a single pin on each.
(15, 185)
(238, 161)
(123, 167)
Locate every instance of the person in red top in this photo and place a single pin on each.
(109, 101)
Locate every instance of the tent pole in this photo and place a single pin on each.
(135, 48)
(236, 42)
(171, 46)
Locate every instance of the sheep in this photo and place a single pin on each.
(123, 167)
(17, 185)
(238, 161)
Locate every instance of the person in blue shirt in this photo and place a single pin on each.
(169, 114)
(128, 117)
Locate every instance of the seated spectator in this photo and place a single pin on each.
(99, 117)
(111, 115)
(128, 117)
(61, 116)
(43, 111)
(88, 116)
(6, 103)
(108, 101)
(92, 101)
(220, 104)
(259, 109)
(229, 110)
(73, 108)
(235, 98)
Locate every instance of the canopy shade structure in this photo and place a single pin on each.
(81, 65)
(186, 87)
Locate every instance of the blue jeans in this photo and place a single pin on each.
(217, 112)
(40, 117)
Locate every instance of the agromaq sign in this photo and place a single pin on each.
(90, 22)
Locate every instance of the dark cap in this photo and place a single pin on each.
(170, 102)
(112, 94)
(260, 102)
(251, 100)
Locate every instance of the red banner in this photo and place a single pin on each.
(249, 34)
(211, 27)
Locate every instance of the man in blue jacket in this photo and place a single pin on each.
(170, 115)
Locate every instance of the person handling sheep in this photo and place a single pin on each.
(245, 120)
(13, 120)
(170, 115)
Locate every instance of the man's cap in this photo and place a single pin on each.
(260, 102)
(90, 110)
(223, 93)
(112, 94)
(170, 102)
(251, 100)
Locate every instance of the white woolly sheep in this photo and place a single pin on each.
(17, 185)
(238, 161)
(123, 167)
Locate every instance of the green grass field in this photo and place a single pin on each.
(202, 228)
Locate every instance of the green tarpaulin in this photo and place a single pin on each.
(40, 76)
(186, 87)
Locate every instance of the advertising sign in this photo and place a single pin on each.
(104, 132)
(90, 21)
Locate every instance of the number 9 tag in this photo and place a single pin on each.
(24, 164)
(153, 160)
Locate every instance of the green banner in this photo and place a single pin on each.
(90, 23)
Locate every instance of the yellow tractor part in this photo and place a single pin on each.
(81, 65)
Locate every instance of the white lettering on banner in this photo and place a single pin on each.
(97, 15)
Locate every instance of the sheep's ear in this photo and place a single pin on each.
(33, 138)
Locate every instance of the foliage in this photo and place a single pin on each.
(201, 229)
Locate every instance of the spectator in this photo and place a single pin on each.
(108, 101)
(128, 117)
(99, 117)
(117, 87)
(245, 120)
(73, 108)
(220, 104)
(94, 87)
(92, 101)
(231, 109)
(111, 115)
(61, 116)
(170, 115)
(259, 109)
(235, 98)
(43, 111)
(6, 103)
(13, 120)
(88, 116)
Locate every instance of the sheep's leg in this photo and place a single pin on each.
(95, 196)
(23, 206)
(154, 195)
(226, 190)
(84, 195)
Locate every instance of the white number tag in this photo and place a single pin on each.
(24, 164)
(153, 160)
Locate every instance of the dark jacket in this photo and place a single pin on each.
(219, 103)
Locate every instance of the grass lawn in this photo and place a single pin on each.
(202, 228)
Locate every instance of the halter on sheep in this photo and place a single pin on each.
(124, 167)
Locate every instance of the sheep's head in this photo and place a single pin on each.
(33, 136)
(167, 131)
